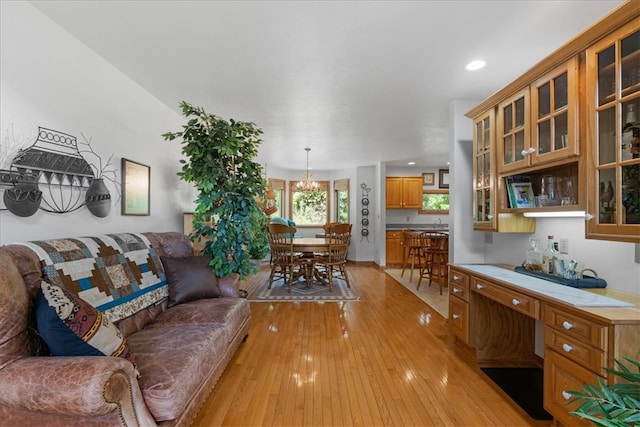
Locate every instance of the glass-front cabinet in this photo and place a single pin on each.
(613, 108)
(513, 132)
(483, 180)
(554, 129)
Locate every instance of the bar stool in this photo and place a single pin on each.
(412, 245)
(435, 252)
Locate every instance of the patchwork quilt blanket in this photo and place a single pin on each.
(119, 274)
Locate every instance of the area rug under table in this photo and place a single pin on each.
(301, 292)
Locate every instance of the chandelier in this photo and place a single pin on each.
(306, 183)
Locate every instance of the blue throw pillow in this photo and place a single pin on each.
(72, 327)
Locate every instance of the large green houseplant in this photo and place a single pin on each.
(220, 163)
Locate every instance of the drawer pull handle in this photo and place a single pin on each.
(566, 395)
(455, 316)
(456, 277)
(515, 302)
(567, 347)
(455, 290)
(479, 286)
(567, 325)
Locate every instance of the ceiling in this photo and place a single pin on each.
(360, 82)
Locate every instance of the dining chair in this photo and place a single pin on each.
(331, 264)
(412, 245)
(283, 258)
(435, 250)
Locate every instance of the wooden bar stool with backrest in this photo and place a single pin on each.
(435, 251)
(283, 259)
(411, 244)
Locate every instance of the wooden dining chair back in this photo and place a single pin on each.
(332, 263)
(435, 252)
(284, 260)
(411, 248)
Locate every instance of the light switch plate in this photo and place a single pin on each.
(563, 245)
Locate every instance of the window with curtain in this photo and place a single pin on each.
(278, 186)
(310, 208)
(341, 192)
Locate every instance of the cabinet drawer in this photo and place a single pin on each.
(590, 357)
(560, 376)
(459, 318)
(459, 284)
(505, 296)
(577, 327)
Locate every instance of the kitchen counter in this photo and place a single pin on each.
(419, 227)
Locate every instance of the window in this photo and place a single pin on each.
(278, 187)
(435, 202)
(341, 190)
(309, 207)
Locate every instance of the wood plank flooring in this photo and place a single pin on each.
(386, 360)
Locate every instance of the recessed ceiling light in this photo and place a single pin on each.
(475, 65)
(411, 163)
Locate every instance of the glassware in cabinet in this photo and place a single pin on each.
(613, 132)
(483, 195)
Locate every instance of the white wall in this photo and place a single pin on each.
(49, 79)
(613, 261)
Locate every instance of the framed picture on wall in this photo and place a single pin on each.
(444, 178)
(428, 178)
(136, 184)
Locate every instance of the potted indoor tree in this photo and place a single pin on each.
(220, 164)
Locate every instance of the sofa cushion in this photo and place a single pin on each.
(72, 327)
(190, 278)
(119, 274)
(227, 313)
(174, 363)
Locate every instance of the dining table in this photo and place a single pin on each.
(308, 246)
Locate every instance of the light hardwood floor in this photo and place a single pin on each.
(387, 359)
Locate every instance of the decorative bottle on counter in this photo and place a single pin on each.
(533, 259)
(549, 255)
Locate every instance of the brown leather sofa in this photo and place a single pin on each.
(181, 351)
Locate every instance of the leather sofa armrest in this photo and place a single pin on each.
(229, 286)
(77, 386)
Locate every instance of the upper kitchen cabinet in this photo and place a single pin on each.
(404, 192)
(513, 132)
(554, 119)
(613, 135)
(539, 125)
(485, 192)
(484, 198)
(569, 126)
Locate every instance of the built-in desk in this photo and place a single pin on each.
(493, 311)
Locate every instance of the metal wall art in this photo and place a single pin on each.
(52, 175)
(364, 232)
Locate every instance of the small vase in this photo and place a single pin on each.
(23, 199)
(98, 198)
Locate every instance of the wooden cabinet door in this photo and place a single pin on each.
(513, 136)
(554, 119)
(394, 252)
(484, 193)
(613, 136)
(412, 193)
(394, 192)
